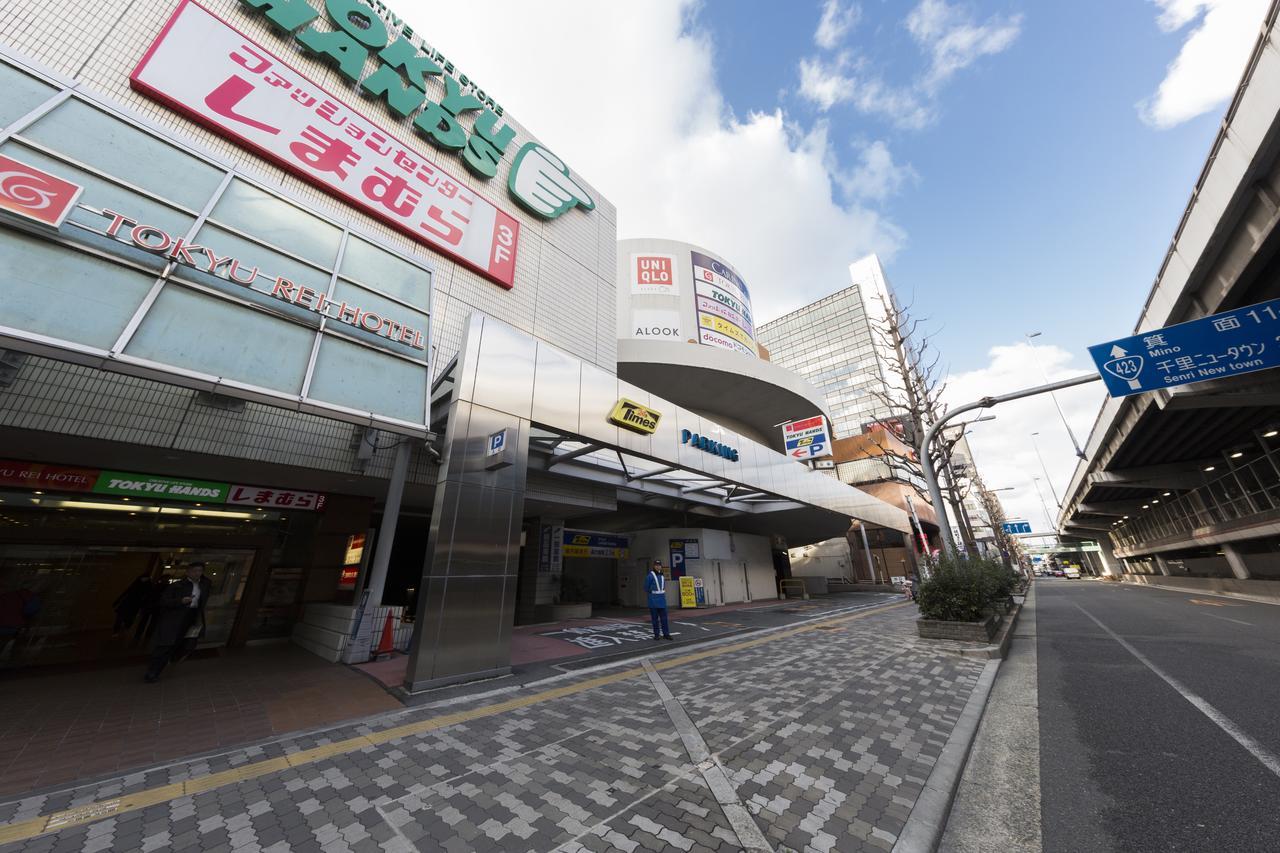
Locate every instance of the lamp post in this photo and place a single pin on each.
(1045, 469)
(1048, 519)
(926, 464)
(1052, 395)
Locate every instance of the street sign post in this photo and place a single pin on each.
(1233, 342)
(807, 439)
(1014, 527)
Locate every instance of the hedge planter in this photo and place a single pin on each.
(973, 632)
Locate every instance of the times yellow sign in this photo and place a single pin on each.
(631, 415)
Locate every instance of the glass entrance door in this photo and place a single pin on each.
(64, 604)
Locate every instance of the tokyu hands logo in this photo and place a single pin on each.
(540, 181)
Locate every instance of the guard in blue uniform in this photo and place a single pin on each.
(656, 585)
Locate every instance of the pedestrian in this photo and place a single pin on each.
(131, 602)
(179, 619)
(18, 607)
(656, 585)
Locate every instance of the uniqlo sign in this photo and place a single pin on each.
(34, 195)
(652, 273)
(202, 66)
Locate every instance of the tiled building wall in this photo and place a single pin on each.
(565, 269)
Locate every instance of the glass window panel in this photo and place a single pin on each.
(127, 152)
(367, 264)
(51, 290)
(367, 300)
(257, 212)
(22, 94)
(211, 335)
(360, 378)
(269, 262)
(104, 194)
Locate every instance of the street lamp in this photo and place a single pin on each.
(1035, 481)
(1045, 469)
(1053, 396)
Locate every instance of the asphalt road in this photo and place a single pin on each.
(1130, 762)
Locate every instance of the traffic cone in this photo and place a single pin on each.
(387, 644)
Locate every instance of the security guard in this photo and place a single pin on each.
(655, 583)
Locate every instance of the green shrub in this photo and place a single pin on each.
(963, 588)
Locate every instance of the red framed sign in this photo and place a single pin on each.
(35, 195)
(205, 68)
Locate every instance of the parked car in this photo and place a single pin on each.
(1073, 572)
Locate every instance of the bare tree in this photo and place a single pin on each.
(910, 392)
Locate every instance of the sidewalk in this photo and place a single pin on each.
(817, 735)
(997, 806)
(550, 647)
(57, 728)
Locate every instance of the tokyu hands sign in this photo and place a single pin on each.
(353, 36)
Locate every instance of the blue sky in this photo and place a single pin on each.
(1020, 165)
(1039, 199)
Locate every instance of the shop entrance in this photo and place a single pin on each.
(64, 604)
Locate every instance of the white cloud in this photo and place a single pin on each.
(843, 81)
(1003, 448)
(877, 177)
(835, 22)
(949, 37)
(954, 40)
(627, 95)
(1208, 68)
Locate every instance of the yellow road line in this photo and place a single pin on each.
(91, 812)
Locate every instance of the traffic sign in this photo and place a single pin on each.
(1233, 342)
(1012, 527)
(808, 438)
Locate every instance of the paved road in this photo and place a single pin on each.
(818, 736)
(1130, 762)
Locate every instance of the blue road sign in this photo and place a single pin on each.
(1016, 526)
(1239, 341)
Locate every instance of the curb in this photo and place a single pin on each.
(999, 649)
(928, 818)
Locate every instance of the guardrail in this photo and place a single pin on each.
(1248, 489)
(797, 587)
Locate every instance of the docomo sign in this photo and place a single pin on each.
(202, 66)
(155, 240)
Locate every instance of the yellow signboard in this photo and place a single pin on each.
(724, 327)
(688, 592)
(631, 415)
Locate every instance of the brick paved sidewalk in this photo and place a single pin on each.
(825, 733)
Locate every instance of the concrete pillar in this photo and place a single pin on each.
(466, 608)
(1236, 560)
(1163, 566)
(1110, 565)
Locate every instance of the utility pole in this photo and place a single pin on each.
(926, 464)
(1053, 396)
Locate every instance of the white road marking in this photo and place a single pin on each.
(1221, 720)
(1229, 619)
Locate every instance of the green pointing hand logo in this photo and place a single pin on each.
(540, 181)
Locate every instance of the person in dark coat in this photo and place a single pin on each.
(179, 612)
(130, 602)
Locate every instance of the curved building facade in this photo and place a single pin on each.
(686, 330)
